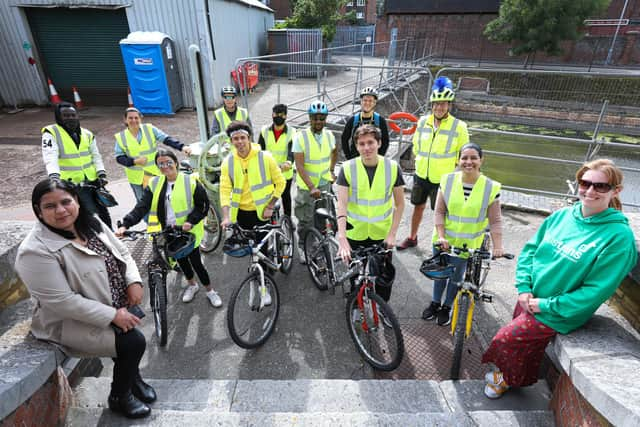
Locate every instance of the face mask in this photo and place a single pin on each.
(279, 121)
(71, 124)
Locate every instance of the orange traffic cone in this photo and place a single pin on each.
(53, 94)
(129, 97)
(77, 100)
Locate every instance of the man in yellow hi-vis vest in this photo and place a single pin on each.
(70, 153)
(136, 149)
(250, 181)
(436, 146)
(175, 199)
(369, 186)
(315, 154)
(277, 139)
(230, 111)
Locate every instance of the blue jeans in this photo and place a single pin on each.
(460, 265)
(137, 191)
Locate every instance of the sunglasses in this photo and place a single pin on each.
(600, 187)
(166, 164)
(319, 118)
(229, 97)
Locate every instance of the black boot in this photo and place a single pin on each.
(129, 406)
(143, 391)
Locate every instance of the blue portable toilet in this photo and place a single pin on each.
(150, 61)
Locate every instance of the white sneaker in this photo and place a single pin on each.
(214, 298)
(384, 319)
(190, 292)
(355, 316)
(184, 285)
(493, 377)
(303, 259)
(265, 296)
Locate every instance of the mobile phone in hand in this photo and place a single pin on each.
(136, 311)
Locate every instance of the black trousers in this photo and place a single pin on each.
(88, 200)
(130, 347)
(192, 262)
(286, 198)
(383, 291)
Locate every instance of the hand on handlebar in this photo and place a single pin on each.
(120, 231)
(315, 193)
(187, 226)
(344, 249)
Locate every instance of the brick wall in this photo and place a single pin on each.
(626, 301)
(47, 407)
(570, 409)
(461, 36)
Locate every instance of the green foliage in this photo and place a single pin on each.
(323, 14)
(540, 25)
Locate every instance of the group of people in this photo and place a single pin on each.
(84, 279)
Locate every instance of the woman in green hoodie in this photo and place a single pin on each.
(570, 267)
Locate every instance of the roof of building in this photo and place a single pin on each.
(255, 3)
(442, 6)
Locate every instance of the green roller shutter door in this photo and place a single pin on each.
(79, 47)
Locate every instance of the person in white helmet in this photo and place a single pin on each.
(366, 116)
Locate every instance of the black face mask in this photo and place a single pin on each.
(72, 125)
(279, 121)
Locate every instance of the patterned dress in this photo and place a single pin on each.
(518, 348)
(115, 271)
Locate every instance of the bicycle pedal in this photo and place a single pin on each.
(487, 298)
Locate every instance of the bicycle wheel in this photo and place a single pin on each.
(458, 334)
(212, 230)
(318, 259)
(379, 343)
(249, 325)
(158, 295)
(285, 245)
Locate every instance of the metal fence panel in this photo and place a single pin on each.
(303, 44)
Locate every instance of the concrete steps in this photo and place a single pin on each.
(318, 403)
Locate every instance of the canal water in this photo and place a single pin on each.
(546, 175)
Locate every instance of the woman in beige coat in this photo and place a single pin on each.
(83, 281)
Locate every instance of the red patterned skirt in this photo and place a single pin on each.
(518, 348)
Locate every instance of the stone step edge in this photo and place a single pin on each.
(87, 417)
(319, 396)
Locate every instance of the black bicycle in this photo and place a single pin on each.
(254, 305)
(157, 268)
(373, 326)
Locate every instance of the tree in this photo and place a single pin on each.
(323, 14)
(540, 25)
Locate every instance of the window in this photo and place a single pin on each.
(361, 2)
(350, 4)
(359, 15)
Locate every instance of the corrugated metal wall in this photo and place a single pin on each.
(238, 31)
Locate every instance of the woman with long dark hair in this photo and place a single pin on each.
(84, 281)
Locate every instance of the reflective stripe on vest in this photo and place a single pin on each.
(466, 220)
(260, 182)
(317, 157)
(75, 162)
(435, 155)
(370, 206)
(181, 202)
(279, 150)
(147, 147)
(224, 120)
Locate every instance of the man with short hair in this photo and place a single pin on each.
(230, 111)
(70, 153)
(368, 188)
(315, 154)
(436, 145)
(277, 139)
(366, 115)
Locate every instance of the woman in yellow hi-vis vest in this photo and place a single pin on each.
(176, 199)
(466, 204)
(368, 188)
(136, 149)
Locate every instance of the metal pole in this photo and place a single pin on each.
(278, 98)
(615, 35)
(319, 71)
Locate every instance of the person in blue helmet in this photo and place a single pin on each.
(315, 155)
(436, 146)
